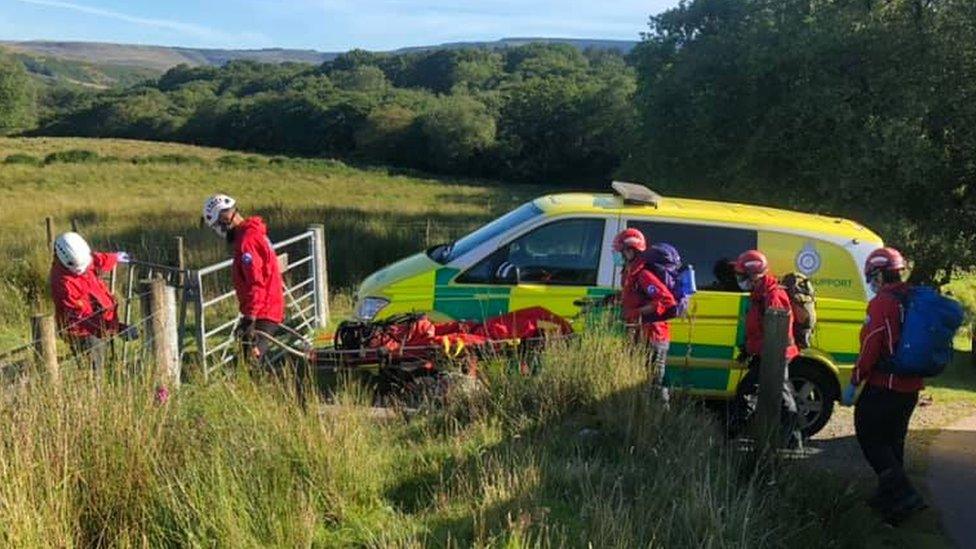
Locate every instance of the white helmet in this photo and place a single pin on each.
(212, 208)
(73, 252)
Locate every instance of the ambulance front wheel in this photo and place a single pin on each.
(815, 391)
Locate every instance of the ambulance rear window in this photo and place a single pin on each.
(712, 250)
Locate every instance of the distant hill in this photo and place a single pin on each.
(58, 70)
(161, 58)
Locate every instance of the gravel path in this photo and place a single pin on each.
(951, 478)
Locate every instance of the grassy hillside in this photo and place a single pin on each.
(137, 196)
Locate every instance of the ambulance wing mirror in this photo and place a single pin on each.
(508, 273)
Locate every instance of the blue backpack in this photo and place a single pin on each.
(663, 260)
(930, 323)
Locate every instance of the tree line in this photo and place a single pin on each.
(862, 109)
(537, 112)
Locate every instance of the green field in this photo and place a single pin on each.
(138, 196)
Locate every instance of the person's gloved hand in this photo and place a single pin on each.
(128, 333)
(245, 329)
(123, 257)
(849, 395)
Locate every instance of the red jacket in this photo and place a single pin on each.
(257, 278)
(641, 288)
(879, 337)
(83, 305)
(767, 294)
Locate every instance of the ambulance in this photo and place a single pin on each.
(555, 252)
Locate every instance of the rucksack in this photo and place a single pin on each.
(664, 261)
(929, 324)
(800, 289)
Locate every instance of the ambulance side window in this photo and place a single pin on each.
(712, 250)
(561, 253)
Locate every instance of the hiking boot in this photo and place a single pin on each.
(879, 499)
(898, 499)
(903, 508)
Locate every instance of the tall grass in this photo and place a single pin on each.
(576, 454)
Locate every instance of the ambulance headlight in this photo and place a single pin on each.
(369, 307)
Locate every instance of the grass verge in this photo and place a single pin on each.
(576, 454)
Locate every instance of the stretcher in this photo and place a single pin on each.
(412, 343)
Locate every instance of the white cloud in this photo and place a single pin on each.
(201, 32)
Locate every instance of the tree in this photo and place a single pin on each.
(853, 108)
(457, 130)
(362, 79)
(385, 133)
(18, 102)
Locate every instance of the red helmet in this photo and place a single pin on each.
(630, 238)
(883, 259)
(752, 262)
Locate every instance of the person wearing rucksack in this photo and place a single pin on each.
(646, 302)
(886, 403)
(664, 261)
(765, 292)
(800, 290)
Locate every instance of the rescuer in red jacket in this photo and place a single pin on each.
(85, 309)
(886, 404)
(752, 274)
(644, 300)
(256, 275)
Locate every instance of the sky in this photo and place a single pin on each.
(325, 25)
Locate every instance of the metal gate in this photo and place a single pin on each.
(209, 294)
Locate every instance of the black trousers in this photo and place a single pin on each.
(881, 419)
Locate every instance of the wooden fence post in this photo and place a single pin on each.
(49, 229)
(159, 307)
(320, 272)
(74, 225)
(772, 371)
(180, 261)
(427, 234)
(44, 334)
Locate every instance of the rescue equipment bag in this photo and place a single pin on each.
(929, 323)
(800, 289)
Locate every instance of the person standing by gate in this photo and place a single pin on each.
(255, 271)
(86, 310)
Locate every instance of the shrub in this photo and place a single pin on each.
(73, 156)
(181, 159)
(21, 158)
(239, 161)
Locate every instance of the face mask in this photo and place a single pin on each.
(745, 284)
(874, 285)
(618, 259)
(229, 235)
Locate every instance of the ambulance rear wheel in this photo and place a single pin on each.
(815, 391)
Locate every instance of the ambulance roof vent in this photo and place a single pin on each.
(634, 193)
